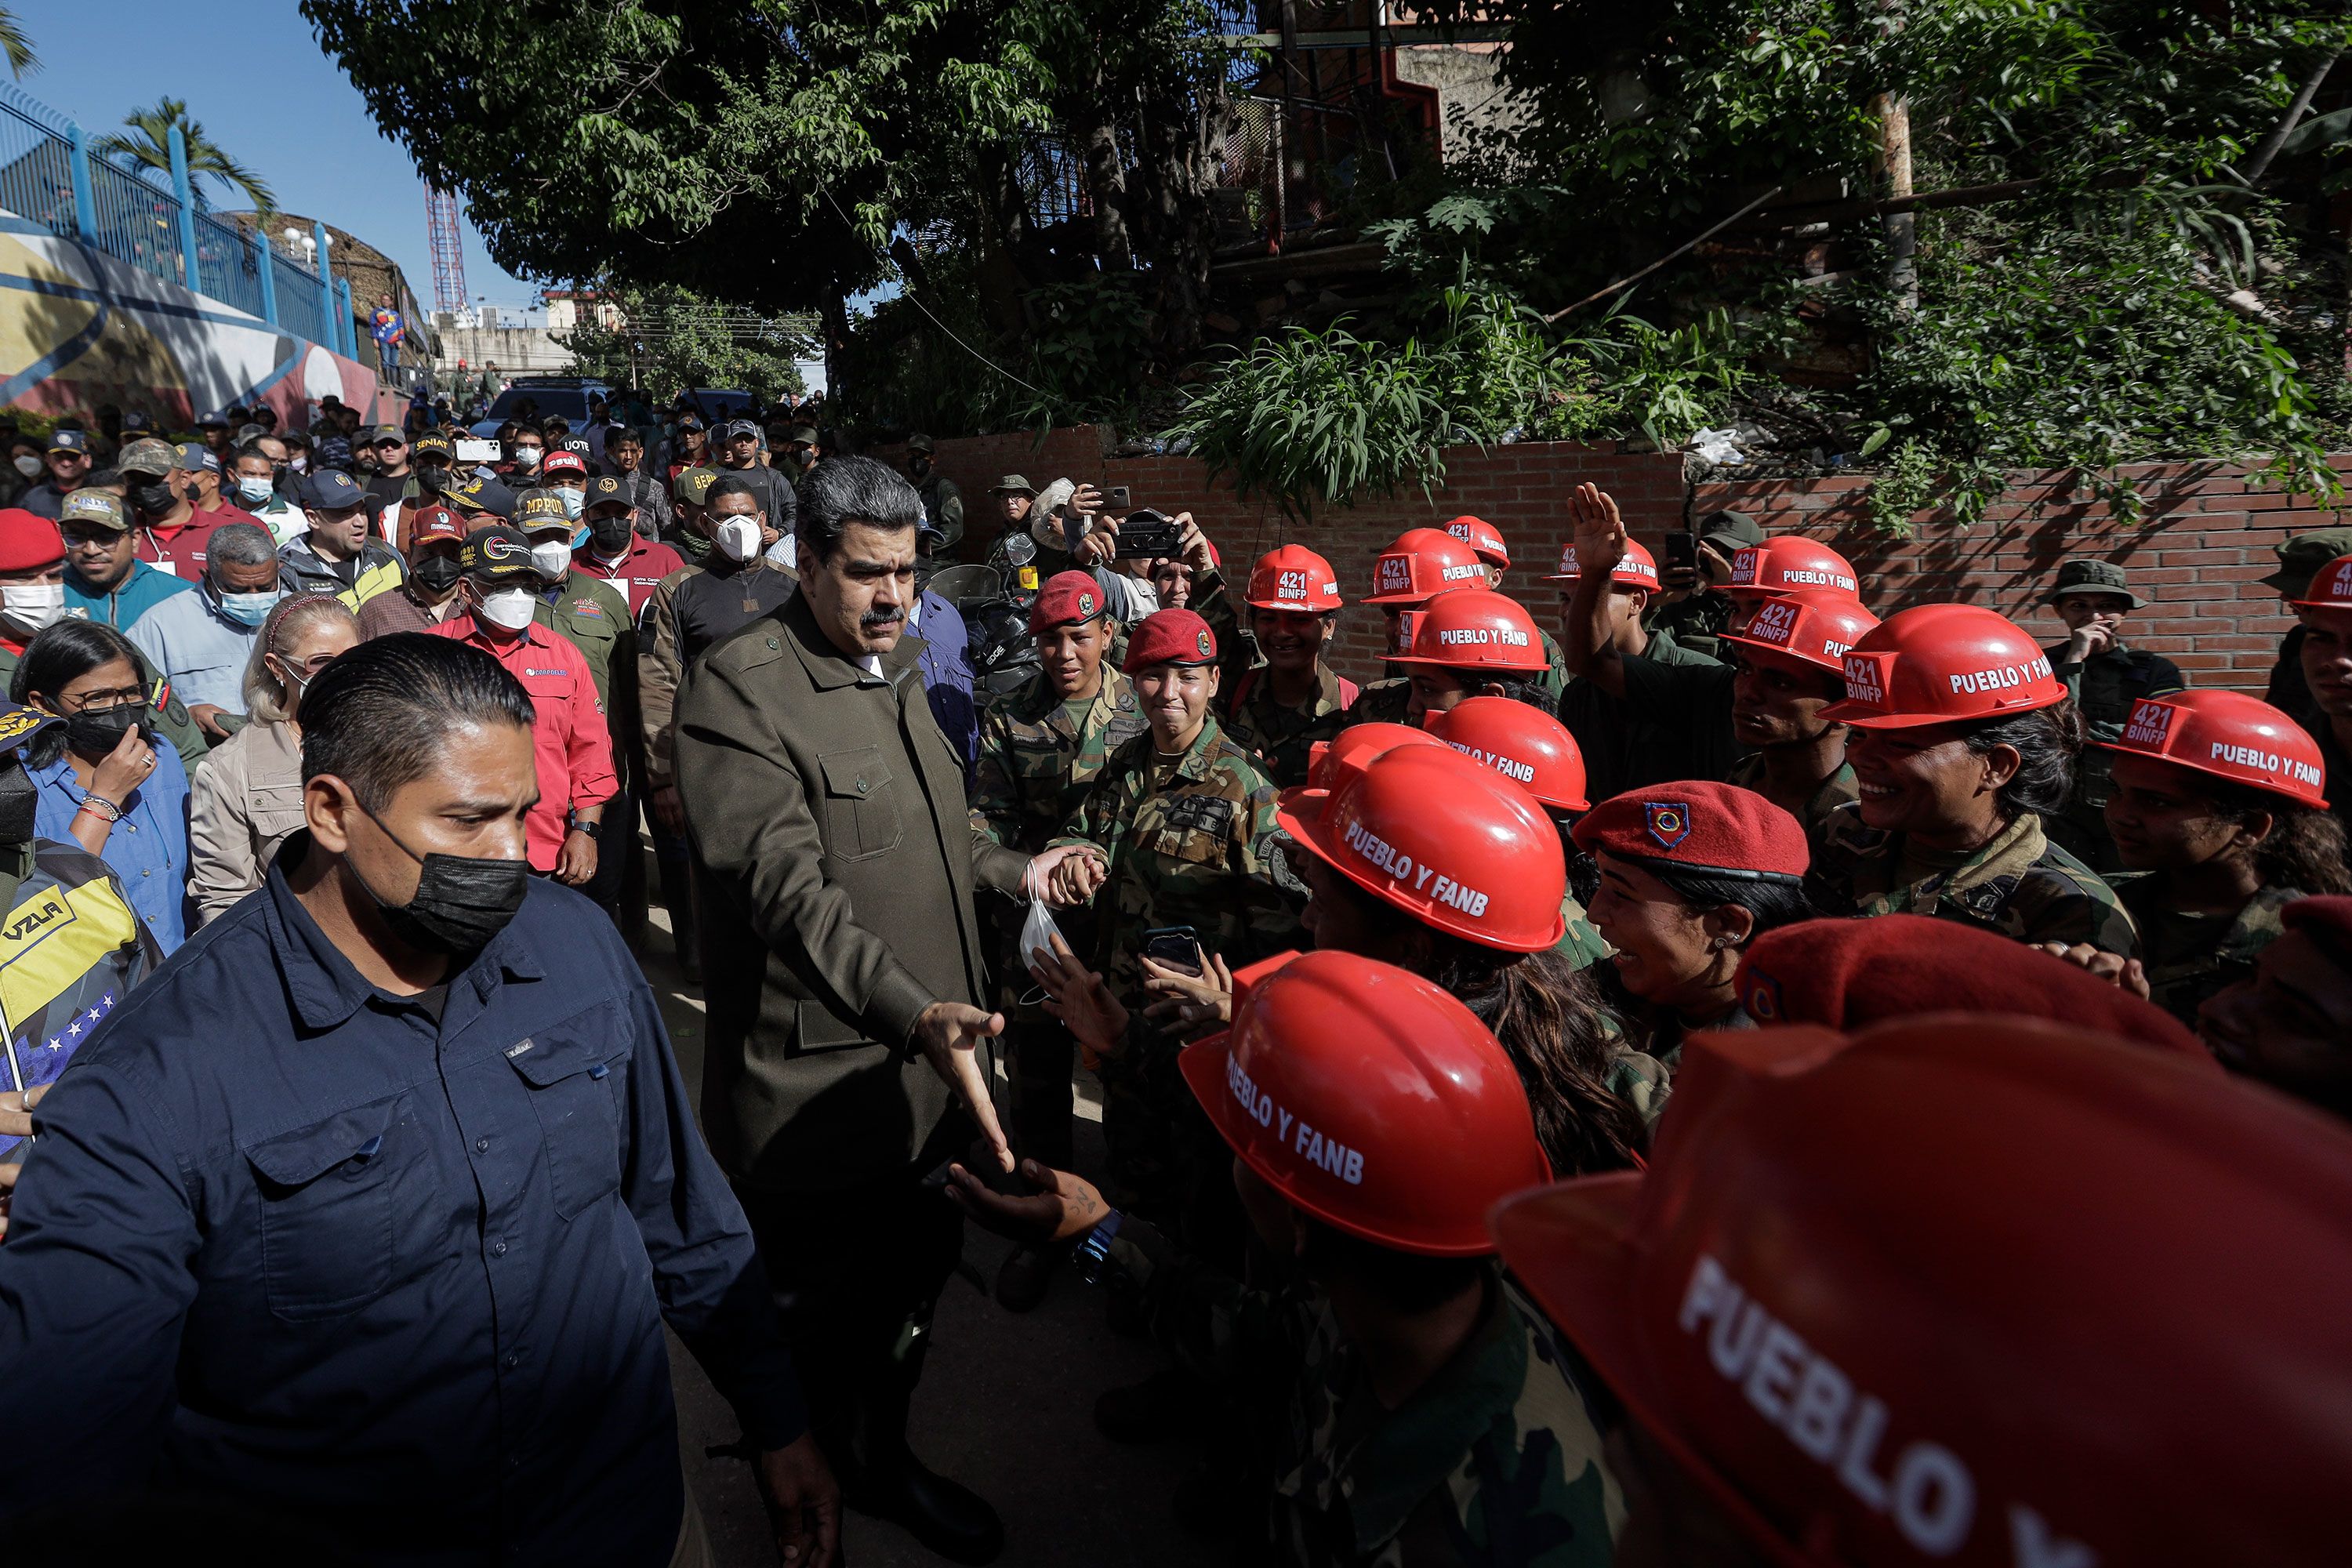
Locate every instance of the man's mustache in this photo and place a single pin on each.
(875, 620)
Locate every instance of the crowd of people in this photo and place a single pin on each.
(1720, 1077)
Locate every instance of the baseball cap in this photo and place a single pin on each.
(195, 455)
(135, 421)
(496, 554)
(692, 486)
(433, 444)
(331, 489)
(1729, 531)
(433, 522)
(74, 441)
(542, 508)
(604, 490)
(20, 726)
(736, 429)
(216, 416)
(801, 433)
(147, 456)
(28, 541)
(562, 461)
(690, 421)
(919, 442)
(98, 507)
(392, 433)
(480, 495)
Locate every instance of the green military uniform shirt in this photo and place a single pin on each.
(595, 616)
(1036, 767)
(1695, 622)
(1624, 747)
(1580, 944)
(2105, 688)
(1839, 789)
(2019, 884)
(1277, 736)
(2188, 957)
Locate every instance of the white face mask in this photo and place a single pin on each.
(551, 558)
(509, 609)
(28, 465)
(33, 604)
(740, 537)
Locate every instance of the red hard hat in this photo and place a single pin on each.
(1068, 599)
(1477, 628)
(2331, 587)
(1788, 562)
(1450, 842)
(1370, 1099)
(1423, 563)
(1636, 569)
(1525, 744)
(1974, 1292)
(1169, 637)
(1345, 753)
(1483, 537)
(2228, 735)
(1933, 663)
(1813, 628)
(1294, 578)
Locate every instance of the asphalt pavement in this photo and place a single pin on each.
(1006, 1405)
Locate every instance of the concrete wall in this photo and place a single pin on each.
(516, 350)
(2205, 537)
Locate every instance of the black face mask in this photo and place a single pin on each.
(437, 573)
(154, 500)
(610, 533)
(431, 479)
(94, 735)
(20, 800)
(461, 902)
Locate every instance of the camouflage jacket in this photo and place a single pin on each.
(1277, 736)
(1495, 1459)
(1840, 789)
(2019, 884)
(1035, 769)
(1649, 1051)
(1382, 702)
(1199, 851)
(1580, 944)
(2189, 961)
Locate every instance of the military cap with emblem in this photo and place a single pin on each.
(497, 554)
(605, 489)
(195, 456)
(99, 508)
(693, 485)
(2086, 576)
(541, 509)
(1169, 637)
(1068, 599)
(1696, 825)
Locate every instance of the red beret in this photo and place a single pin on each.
(1849, 973)
(1713, 829)
(28, 541)
(1068, 599)
(2327, 921)
(1169, 637)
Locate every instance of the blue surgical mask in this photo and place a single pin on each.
(253, 491)
(573, 500)
(249, 609)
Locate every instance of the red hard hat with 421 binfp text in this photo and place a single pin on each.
(1786, 563)
(1523, 743)
(1370, 1101)
(1483, 537)
(1941, 664)
(1477, 628)
(1637, 568)
(1423, 563)
(1815, 628)
(2228, 735)
(1292, 578)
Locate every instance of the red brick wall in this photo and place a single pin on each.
(2205, 538)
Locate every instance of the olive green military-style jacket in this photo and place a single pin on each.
(1278, 736)
(2188, 959)
(595, 616)
(1035, 768)
(1841, 788)
(2019, 884)
(2106, 689)
(836, 868)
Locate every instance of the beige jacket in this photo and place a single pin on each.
(245, 798)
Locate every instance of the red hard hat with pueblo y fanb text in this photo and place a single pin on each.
(1523, 743)
(1453, 843)
(2228, 735)
(1370, 1101)
(1637, 568)
(1423, 563)
(1169, 637)
(1294, 578)
(1483, 537)
(1477, 628)
(1815, 628)
(1941, 664)
(1345, 753)
(1787, 564)
(1974, 1290)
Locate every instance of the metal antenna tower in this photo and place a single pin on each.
(448, 253)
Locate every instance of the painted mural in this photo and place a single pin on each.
(79, 329)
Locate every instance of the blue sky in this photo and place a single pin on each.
(257, 81)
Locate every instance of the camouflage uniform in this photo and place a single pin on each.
(1495, 1459)
(1382, 702)
(2188, 958)
(1649, 1051)
(2105, 688)
(2019, 884)
(1034, 772)
(1580, 944)
(1840, 789)
(1200, 850)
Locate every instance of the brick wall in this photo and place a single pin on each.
(2205, 538)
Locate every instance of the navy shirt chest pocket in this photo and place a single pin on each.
(575, 1073)
(337, 1228)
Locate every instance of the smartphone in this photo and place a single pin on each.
(1118, 500)
(1145, 535)
(1682, 551)
(476, 449)
(1178, 947)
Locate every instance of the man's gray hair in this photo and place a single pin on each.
(240, 544)
(842, 490)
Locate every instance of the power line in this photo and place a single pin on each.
(907, 294)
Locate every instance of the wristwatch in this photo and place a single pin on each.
(592, 830)
(1089, 1257)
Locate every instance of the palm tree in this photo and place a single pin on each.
(150, 148)
(18, 48)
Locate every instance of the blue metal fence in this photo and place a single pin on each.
(48, 174)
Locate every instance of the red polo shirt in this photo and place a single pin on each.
(180, 551)
(572, 747)
(639, 572)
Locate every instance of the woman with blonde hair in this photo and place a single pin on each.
(247, 795)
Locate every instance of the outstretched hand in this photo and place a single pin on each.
(948, 1034)
(1600, 528)
(1064, 1207)
(1081, 999)
(2123, 973)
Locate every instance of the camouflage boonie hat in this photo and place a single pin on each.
(99, 507)
(2087, 576)
(148, 455)
(693, 485)
(2302, 555)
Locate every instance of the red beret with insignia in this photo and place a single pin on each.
(1717, 830)
(28, 541)
(1068, 599)
(1170, 637)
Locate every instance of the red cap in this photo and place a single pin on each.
(1169, 637)
(431, 523)
(1448, 841)
(1369, 1100)
(1423, 563)
(2228, 735)
(2331, 587)
(1637, 568)
(28, 541)
(1846, 974)
(561, 461)
(1933, 663)
(1294, 578)
(1067, 599)
(1791, 561)
(1477, 628)
(1718, 829)
(1974, 1293)
(1812, 627)
(1523, 743)
(1483, 537)
(2327, 919)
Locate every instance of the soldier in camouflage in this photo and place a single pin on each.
(2106, 677)
(1404, 1126)
(1276, 702)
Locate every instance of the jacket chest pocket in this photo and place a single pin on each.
(277, 811)
(552, 683)
(1192, 832)
(861, 804)
(333, 1197)
(574, 1072)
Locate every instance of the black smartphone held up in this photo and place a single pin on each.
(1118, 500)
(1145, 535)
(1681, 552)
(1178, 947)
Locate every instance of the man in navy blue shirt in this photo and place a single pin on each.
(367, 1210)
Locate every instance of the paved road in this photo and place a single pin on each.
(1004, 1407)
